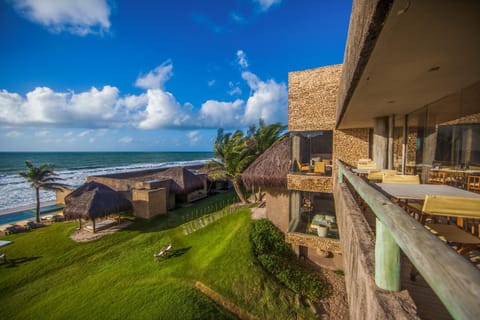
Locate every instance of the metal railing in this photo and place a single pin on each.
(455, 280)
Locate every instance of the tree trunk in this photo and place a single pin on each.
(37, 194)
(238, 190)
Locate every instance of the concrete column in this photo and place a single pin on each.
(404, 144)
(391, 127)
(380, 142)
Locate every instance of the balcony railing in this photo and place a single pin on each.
(455, 281)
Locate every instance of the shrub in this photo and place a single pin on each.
(277, 258)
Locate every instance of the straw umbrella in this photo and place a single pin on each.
(94, 200)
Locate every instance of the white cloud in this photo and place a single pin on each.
(242, 59)
(164, 111)
(193, 136)
(43, 106)
(85, 133)
(92, 140)
(125, 140)
(211, 83)
(156, 78)
(42, 133)
(238, 18)
(265, 5)
(80, 17)
(221, 114)
(13, 134)
(153, 109)
(268, 101)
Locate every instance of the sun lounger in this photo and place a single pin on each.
(163, 252)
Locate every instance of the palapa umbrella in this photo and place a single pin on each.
(94, 200)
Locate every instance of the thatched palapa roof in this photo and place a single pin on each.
(271, 168)
(183, 181)
(94, 200)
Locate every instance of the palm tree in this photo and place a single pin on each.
(236, 151)
(233, 158)
(42, 177)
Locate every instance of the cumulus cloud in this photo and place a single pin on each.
(80, 17)
(43, 106)
(265, 5)
(221, 114)
(268, 101)
(164, 111)
(242, 59)
(156, 108)
(156, 78)
(211, 83)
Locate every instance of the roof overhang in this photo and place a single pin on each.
(402, 55)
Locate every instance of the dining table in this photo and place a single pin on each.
(454, 235)
(420, 191)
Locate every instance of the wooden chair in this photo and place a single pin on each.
(459, 207)
(437, 177)
(319, 167)
(303, 167)
(377, 175)
(473, 183)
(366, 164)
(407, 179)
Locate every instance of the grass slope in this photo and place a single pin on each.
(116, 277)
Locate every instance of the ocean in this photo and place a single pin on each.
(74, 167)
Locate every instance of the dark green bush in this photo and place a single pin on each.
(277, 258)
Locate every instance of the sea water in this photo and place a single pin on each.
(75, 167)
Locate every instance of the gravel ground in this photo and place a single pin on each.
(83, 235)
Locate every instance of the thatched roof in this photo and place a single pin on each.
(271, 168)
(183, 180)
(94, 200)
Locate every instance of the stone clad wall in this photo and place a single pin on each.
(365, 299)
(310, 183)
(311, 241)
(312, 98)
(349, 145)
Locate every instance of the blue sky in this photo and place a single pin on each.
(97, 75)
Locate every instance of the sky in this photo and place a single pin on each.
(119, 75)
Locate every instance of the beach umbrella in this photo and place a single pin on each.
(94, 200)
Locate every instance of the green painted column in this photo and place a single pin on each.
(387, 259)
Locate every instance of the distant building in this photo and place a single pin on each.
(154, 192)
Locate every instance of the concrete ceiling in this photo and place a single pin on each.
(427, 50)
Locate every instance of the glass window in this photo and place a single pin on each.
(313, 213)
(312, 152)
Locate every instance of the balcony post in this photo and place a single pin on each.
(387, 259)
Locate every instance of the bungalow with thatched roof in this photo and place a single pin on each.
(155, 191)
(185, 185)
(94, 200)
(269, 172)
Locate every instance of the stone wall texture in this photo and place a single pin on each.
(277, 207)
(310, 183)
(365, 299)
(349, 145)
(314, 242)
(312, 98)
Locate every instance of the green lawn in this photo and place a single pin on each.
(116, 276)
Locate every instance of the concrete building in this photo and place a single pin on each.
(408, 97)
